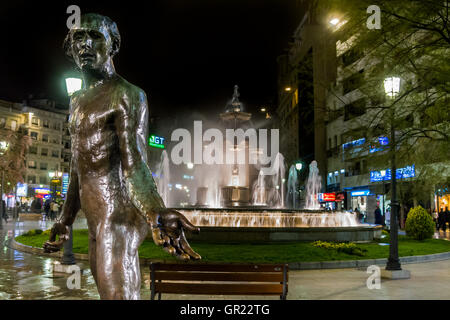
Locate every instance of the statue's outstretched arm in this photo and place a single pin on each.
(167, 225)
(69, 211)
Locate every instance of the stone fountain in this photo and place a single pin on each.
(234, 205)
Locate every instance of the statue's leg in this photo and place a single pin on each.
(118, 272)
(93, 256)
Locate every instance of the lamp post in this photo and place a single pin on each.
(3, 148)
(72, 85)
(392, 88)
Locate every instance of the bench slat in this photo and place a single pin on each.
(218, 267)
(220, 289)
(219, 276)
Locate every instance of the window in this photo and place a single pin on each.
(55, 153)
(57, 126)
(45, 137)
(43, 166)
(34, 135)
(44, 152)
(35, 121)
(45, 123)
(353, 82)
(32, 179)
(32, 164)
(43, 180)
(33, 150)
(355, 109)
(55, 140)
(350, 56)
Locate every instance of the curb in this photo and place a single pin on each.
(340, 264)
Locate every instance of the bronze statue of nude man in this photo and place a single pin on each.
(109, 176)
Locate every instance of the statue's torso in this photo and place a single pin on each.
(96, 155)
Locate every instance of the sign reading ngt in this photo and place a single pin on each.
(156, 142)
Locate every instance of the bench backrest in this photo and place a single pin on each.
(219, 279)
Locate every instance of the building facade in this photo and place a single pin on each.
(50, 150)
(322, 109)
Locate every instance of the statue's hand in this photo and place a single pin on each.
(53, 245)
(168, 227)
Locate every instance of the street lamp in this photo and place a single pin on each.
(334, 21)
(73, 85)
(392, 88)
(299, 166)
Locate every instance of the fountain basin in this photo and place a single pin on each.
(277, 225)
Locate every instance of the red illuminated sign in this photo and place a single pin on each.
(329, 197)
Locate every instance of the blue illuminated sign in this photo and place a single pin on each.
(383, 141)
(401, 173)
(360, 193)
(65, 183)
(353, 143)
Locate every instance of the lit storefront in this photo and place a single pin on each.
(442, 198)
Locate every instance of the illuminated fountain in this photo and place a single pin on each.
(313, 186)
(244, 203)
(163, 177)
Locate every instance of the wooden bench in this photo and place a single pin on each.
(219, 279)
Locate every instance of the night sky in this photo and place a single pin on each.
(186, 55)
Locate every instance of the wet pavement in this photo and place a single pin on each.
(28, 276)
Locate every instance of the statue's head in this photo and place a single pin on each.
(93, 43)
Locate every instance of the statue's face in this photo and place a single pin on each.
(90, 49)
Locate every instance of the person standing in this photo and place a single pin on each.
(55, 210)
(52, 203)
(4, 214)
(378, 216)
(47, 208)
(388, 218)
(447, 217)
(435, 219)
(442, 224)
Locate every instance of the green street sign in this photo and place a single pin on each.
(156, 142)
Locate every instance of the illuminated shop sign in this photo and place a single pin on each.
(22, 189)
(65, 183)
(360, 193)
(353, 143)
(401, 173)
(324, 197)
(156, 142)
(41, 191)
(382, 141)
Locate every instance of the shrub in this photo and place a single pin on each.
(419, 224)
(348, 248)
(33, 232)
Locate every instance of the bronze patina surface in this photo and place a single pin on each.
(109, 177)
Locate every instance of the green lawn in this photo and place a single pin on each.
(264, 253)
